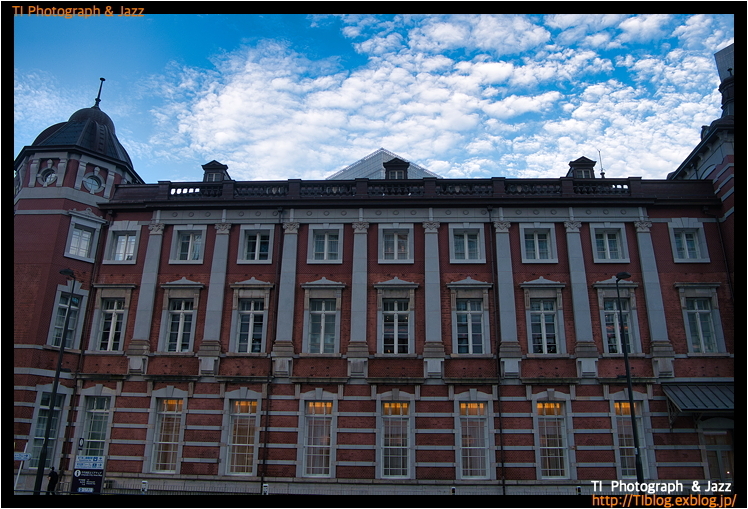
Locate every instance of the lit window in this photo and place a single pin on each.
(474, 447)
(552, 439)
(241, 443)
(395, 440)
(318, 438)
(167, 438)
(625, 436)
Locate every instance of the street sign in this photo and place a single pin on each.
(21, 456)
(88, 474)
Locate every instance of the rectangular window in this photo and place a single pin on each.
(543, 325)
(96, 425)
(536, 245)
(180, 325)
(41, 428)
(166, 442)
(67, 304)
(123, 248)
(626, 448)
(326, 245)
(551, 433)
(614, 342)
(318, 438)
(700, 325)
(113, 311)
(474, 448)
(322, 325)
(396, 330)
(189, 246)
(256, 245)
(251, 320)
(719, 455)
(686, 244)
(607, 245)
(467, 245)
(81, 241)
(242, 436)
(396, 245)
(395, 439)
(469, 315)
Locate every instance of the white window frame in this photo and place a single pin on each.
(472, 290)
(248, 445)
(38, 428)
(622, 426)
(117, 230)
(544, 289)
(105, 292)
(93, 413)
(306, 445)
(566, 447)
(329, 256)
(247, 231)
(461, 229)
(325, 290)
(619, 230)
(192, 230)
(606, 291)
(82, 424)
(182, 290)
(708, 292)
(680, 226)
(396, 289)
(155, 435)
(403, 231)
(251, 289)
(644, 428)
(241, 394)
(534, 229)
(84, 222)
(471, 399)
(63, 292)
(395, 396)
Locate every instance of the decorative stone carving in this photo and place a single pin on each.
(502, 226)
(643, 226)
(291, 227)
(572, 226)
(223, 228)
(431, 226)
(360, 226)
(156, 228)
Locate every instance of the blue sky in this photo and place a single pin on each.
(302, 96)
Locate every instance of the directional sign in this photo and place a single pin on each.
(21, 456)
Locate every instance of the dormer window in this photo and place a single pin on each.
(584, 174)
(215, 172)
(213, 177)
(396, 174)
(396, 169)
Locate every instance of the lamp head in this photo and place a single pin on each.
(68, 273)
(622, 275)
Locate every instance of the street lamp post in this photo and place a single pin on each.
(53, 396)
(625, 342)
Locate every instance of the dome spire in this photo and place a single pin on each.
(98, 97)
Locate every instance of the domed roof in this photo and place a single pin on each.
(90, 129)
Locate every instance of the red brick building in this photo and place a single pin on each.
(383, 331)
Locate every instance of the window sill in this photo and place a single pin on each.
(389, 262)
(395, 356)
(186, 262)
(309, 354)
(550, 260)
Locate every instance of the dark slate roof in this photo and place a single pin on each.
(90, 129)
(701, 398)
